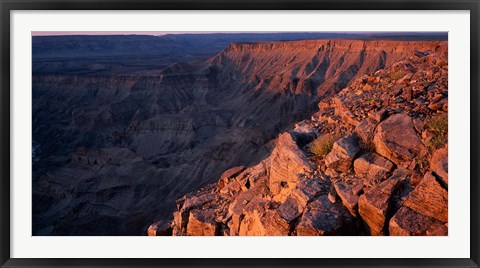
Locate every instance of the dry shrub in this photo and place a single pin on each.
(438, 125)
(324, 144)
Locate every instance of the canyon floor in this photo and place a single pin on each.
(300, 137)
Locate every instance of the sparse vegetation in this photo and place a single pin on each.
(324, 144)
(438, 125)
(421, 162)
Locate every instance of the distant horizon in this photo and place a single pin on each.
(162, 33)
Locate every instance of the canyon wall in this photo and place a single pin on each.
(385, 174)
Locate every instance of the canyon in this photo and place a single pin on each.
(218, 144)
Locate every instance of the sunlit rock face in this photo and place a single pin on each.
(383, 175)
(118, 149)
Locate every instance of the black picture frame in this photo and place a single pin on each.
(8, 5)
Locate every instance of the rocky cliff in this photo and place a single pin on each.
(114, 152)
(384, 173)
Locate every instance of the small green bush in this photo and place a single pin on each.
(438, 125)
(323, 145)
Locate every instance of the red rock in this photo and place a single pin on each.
(396, 139)
(274, 224)
(344, 113)
(342, 154)
(202, 223)
(439, 163)
(435, 106)
(349, 193)
(332, 197)
(441, 169)
(291, 209)
(381, 115)
(236, 210)
(438, 230)
(372, 167)
(324, 218)
(179, 225)
(374, 205)
(404, 79)
(437, 156)
(407, 222)
(371, 78)
(282, 177)
(316, 117)
(304, 191)
(304, 132)
(429, 199)
(445, 107)
(252, 222)
(160, 228)
(365, 130)
(227, 175)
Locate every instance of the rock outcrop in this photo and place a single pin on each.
(397, 140)
(342, 155)
(373, 167)
(382, 176)
(286, 166)
(375, 206)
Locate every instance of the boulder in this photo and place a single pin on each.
(438, 155)
(304, 132)
(294, 205)
(189, 202)
(160, 228)
(179, 225)
(349, 193)
(365, 131)
(375, 205)
(429, 198)
(291, 209)
(283, 177)
(441, 169)
(343, 152)
(439, 163)
(396, 139)
(249, 177)
(274, 224)
(202, 222)
(306, 190)
(251, 224)
(236, 210)
(380, 115)
(324, 218)
(226, 176)
(372, 167)
(407, 222)
(196, 199)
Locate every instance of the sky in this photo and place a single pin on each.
(122, 33)
(159, 33)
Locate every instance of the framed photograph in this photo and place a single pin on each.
(215, 133)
